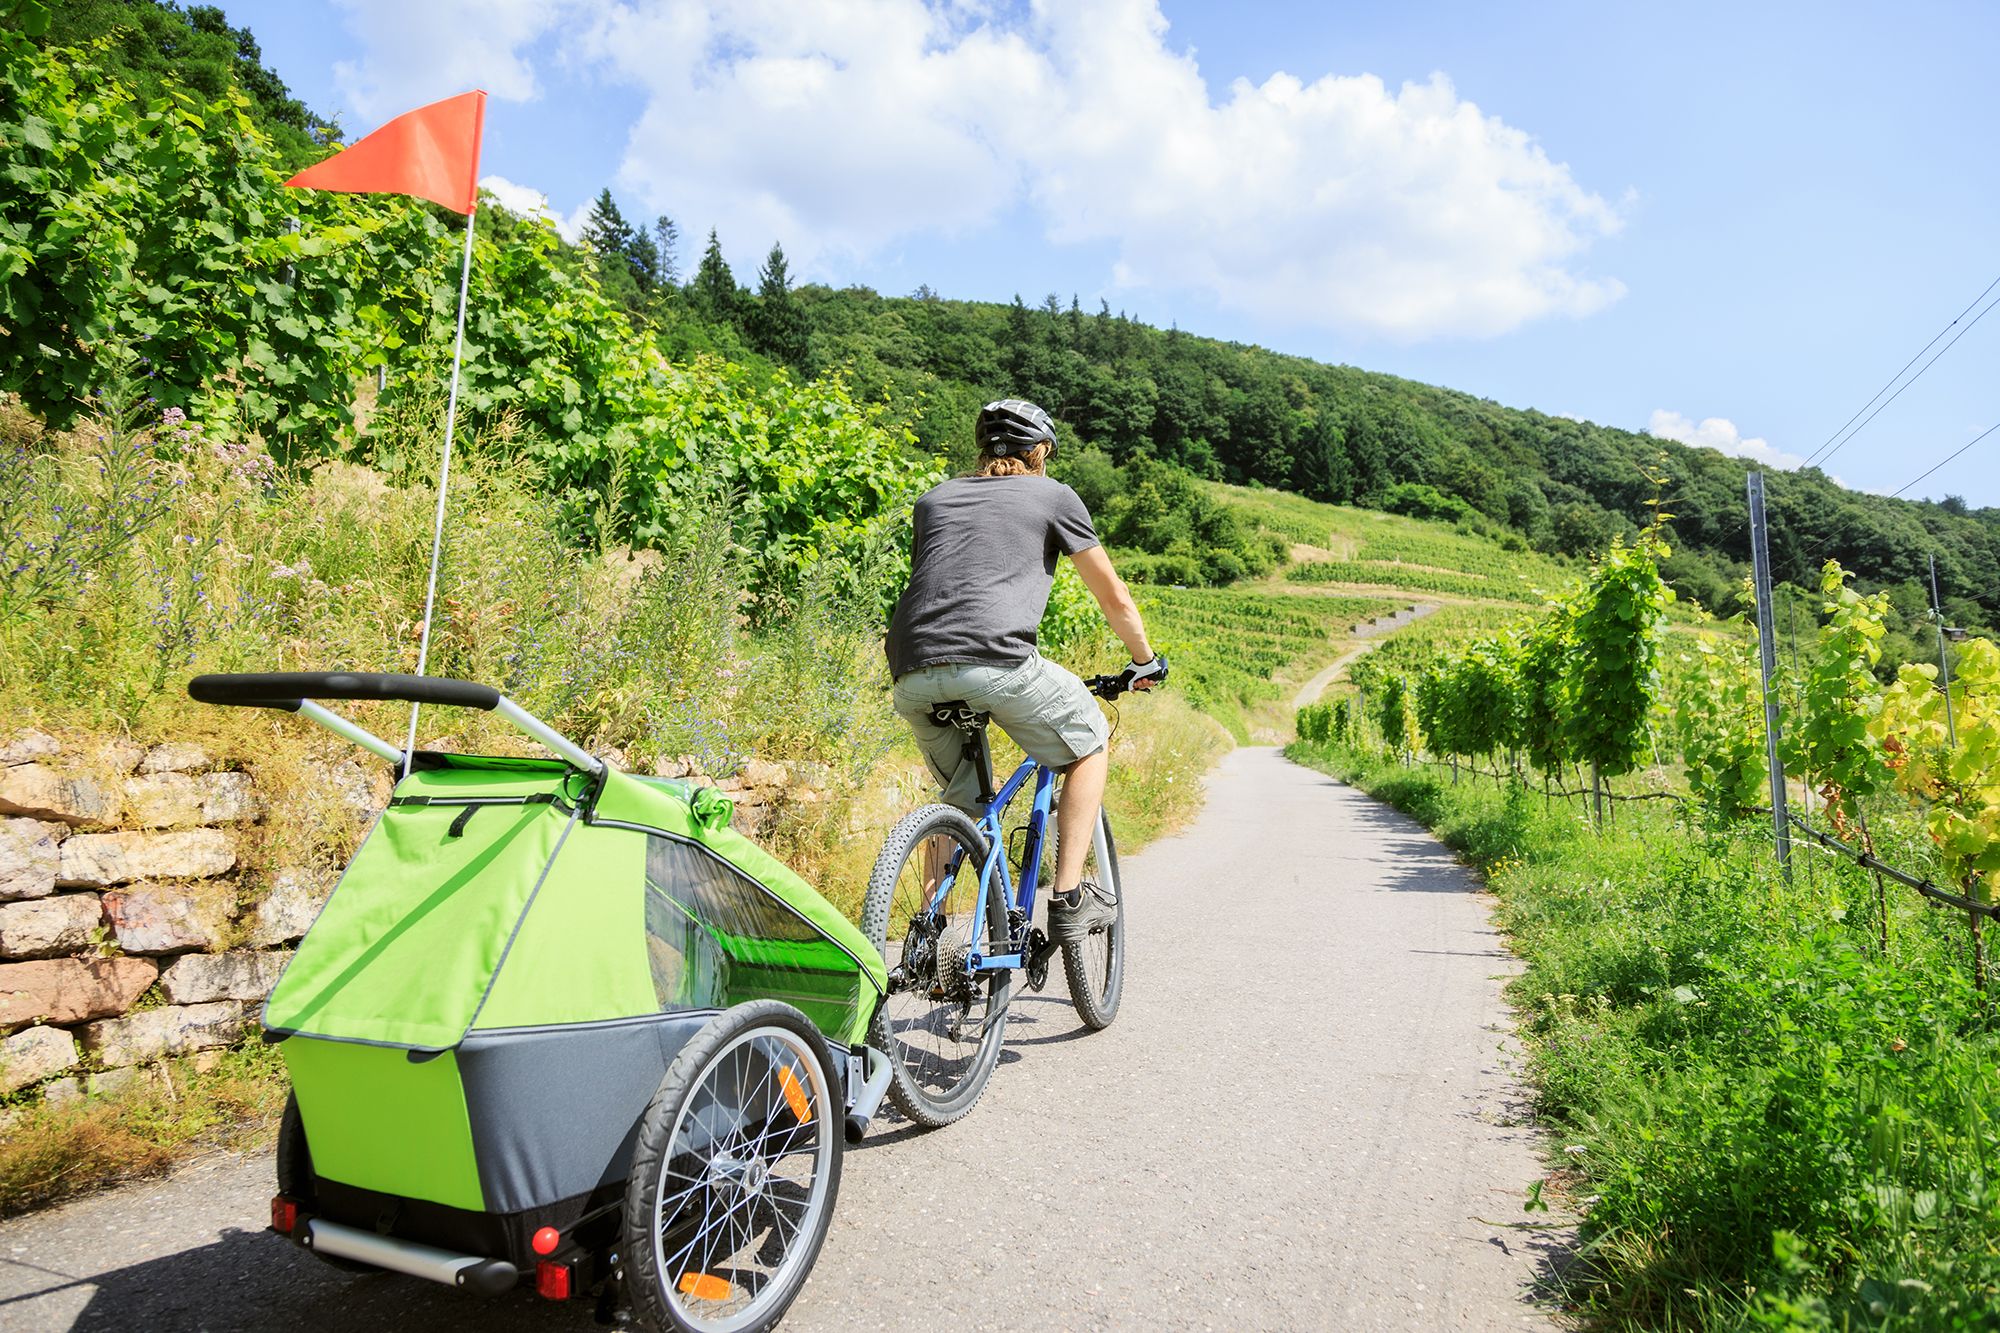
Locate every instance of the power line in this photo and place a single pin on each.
(1906, 365)
(1805, 565)
(1947, 458)
(1823, 453)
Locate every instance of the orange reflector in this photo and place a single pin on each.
(795, 1096)
(706, 1287)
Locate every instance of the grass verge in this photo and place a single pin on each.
(1766, 1123)
(50, 1153)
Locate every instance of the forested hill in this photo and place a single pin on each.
(1342, 434)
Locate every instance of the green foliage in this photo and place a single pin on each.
(1315, 723)
(156, 47)
(165, 227)
(1471, 704)
(1543, 668)
(1957, 784)
(1829, 741)
(1181, 533)
(714, 293)
(1415, 578)
(1391, 699)
(1417, 500)
(1719, 720)
(776, 326)
(1616, 623)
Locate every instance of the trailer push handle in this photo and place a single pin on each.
(294, 691)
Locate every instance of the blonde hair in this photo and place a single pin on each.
(1012, 465)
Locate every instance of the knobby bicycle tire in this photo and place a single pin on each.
(921, 1106)
(1097, 1004)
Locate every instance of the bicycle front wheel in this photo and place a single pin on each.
(926, 910)
(1096, 967)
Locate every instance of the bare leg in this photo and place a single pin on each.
(1076, 816)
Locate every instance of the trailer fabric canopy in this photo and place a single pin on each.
(497, 894)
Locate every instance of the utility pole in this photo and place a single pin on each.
(1767, 654)
(1944, 661)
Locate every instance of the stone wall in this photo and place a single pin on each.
(144, 913)
(133, 922)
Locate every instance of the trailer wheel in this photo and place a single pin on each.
(734, 1175)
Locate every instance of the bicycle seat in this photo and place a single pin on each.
(958, 713)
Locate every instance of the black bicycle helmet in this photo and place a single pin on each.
(1013, 426)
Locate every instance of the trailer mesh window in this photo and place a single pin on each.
(715, 937)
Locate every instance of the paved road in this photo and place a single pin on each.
(1300, 1120)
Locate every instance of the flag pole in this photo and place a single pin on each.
(444, 480)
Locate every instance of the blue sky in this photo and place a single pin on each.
(1727, 223)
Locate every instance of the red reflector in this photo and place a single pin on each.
(552, 1280)
(284, 1216)
(546, 1240)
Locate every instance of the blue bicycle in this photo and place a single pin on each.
(951, 905)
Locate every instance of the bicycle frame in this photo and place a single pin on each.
(1021, 898)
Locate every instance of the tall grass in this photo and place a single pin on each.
(1769, 1124)
(141, 552)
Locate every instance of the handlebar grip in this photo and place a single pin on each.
(285, 689)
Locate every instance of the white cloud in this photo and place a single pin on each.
(835, 127)
(419, 52)
(1721, 435)
(844, 126)
(532, 203)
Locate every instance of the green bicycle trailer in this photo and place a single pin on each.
(560, 1022)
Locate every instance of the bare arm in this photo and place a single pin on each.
(1114, 600)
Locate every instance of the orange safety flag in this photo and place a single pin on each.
(432, 153)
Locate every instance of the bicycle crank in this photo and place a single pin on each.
(1040, 949)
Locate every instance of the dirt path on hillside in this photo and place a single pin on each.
(1369, 635)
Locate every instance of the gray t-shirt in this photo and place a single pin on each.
(982, 556)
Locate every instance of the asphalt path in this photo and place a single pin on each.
(1306, 1116)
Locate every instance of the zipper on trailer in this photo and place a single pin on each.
(468, 806)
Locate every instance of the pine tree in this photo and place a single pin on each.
(713, 290)
(605, 231)
(644, 257)
(666, 240)
(777, 325)
(611, 239)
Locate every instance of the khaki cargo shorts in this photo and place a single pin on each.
(1046, 710)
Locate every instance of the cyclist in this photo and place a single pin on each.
(982, 558)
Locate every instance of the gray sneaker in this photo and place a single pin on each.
(1073, 924)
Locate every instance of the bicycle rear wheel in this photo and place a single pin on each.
(1096, 968)
(925, 911)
